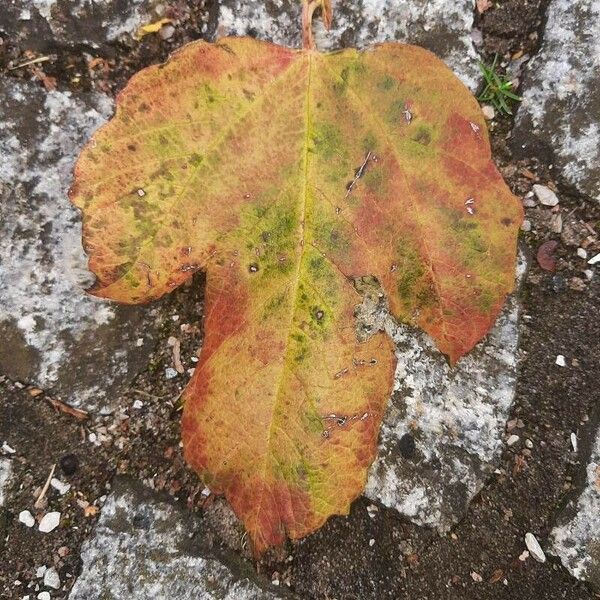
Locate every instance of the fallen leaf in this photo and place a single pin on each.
(530, 175)
(90, 511)
(303, 184)
(151, 28)
(545, 255)
(80, 415)
(497, 576)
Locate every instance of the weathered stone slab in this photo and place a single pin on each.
(144, 547)
(560, 113)
(443, 26)
(576, 537)
(42, 24)
(5, 475)
(52, 333)
(444, 427)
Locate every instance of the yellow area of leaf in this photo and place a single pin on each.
(293, 178)
(154, 27)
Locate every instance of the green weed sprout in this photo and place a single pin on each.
(497, 91)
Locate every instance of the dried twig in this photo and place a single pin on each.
(33, 61)
(80, 415)
(39, 503)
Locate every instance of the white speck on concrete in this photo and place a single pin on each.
(534, 548)
(49, 522)
(561, 361)
(443, 26)
(143, 539)
(455, 416)
(512, 440)
(44, 596)
(5, 476)
(7, 449)
(576, 538)
(594, 260)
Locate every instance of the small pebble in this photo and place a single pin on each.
(7, 449)
(372, 542)
(138, 404)
(560, 361)
(49, 522)
(488, 112)
(59, 486)
(594, 260)
(372, 510)
(512, 440)
(524, 555)
(556, 225)
(476, 577)
(528, 444)
(582, 253)
(40, 571)
(545, 195)
(26, 518)
(526, 225)
(139, 342)
(43, 596)
(577, 284)
(170, 373)
(589, 274)
(52, 579)
(574, 441)
(167, 32)
(529, 203)
(534, 548)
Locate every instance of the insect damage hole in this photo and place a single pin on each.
(372, 312)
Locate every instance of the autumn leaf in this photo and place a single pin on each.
(151, 28)
(301, 183)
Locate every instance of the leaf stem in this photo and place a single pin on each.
(308, 10)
